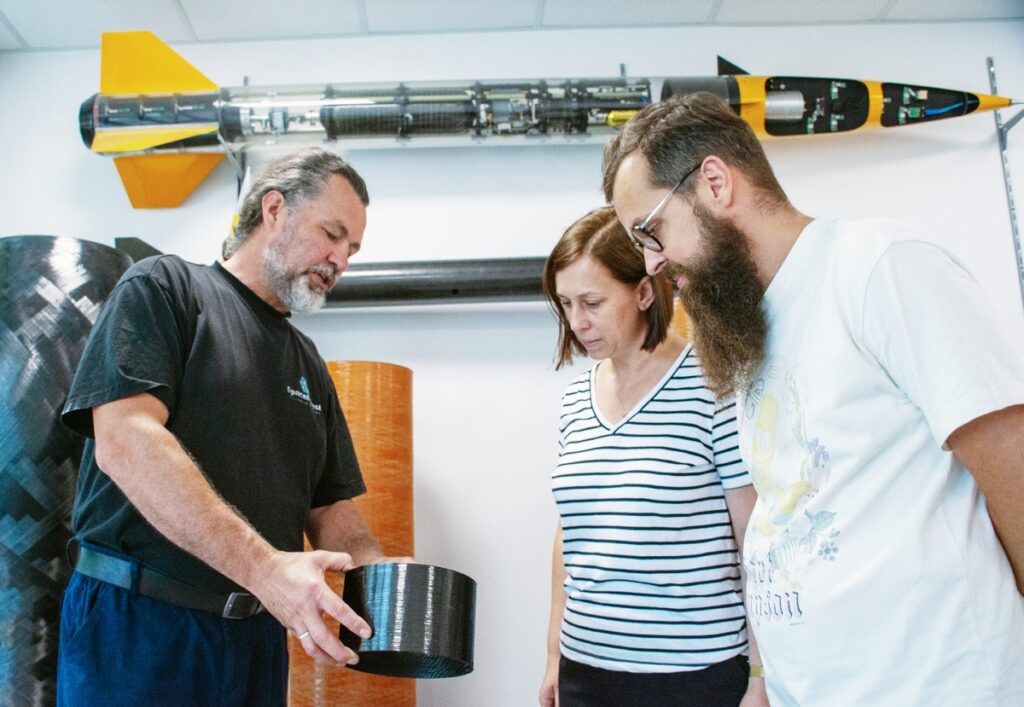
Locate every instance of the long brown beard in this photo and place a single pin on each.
(723, 298)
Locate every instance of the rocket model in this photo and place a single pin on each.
(167, 125)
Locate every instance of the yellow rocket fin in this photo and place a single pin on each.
(135, 140)
(138, 62)
(163, 181)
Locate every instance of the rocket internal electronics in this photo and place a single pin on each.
(168, 125)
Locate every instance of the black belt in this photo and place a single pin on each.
(119, 571)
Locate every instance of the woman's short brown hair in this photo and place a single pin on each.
(600, 235)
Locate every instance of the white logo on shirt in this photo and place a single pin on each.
(303, 394)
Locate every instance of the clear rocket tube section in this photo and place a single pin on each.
(272, 114)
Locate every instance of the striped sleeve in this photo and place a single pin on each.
(725, 446)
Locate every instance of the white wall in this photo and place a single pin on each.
(485, 392)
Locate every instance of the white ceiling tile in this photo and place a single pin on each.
(798, 11)
(8, 40)
(616, 13)
(956, 10)
(60, 24)
(449, 16)
(265, 19)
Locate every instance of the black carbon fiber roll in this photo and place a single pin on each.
(51, 290)
(422, 618)
(433, 281)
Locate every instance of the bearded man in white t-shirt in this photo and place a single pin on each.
(881, 414)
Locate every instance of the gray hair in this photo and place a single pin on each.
(298, 176)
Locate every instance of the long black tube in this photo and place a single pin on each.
(438, 281)
(418, 281)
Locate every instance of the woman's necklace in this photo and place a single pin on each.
(619, 385)
(622, 406)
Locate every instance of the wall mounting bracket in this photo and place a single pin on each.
(1003, 131)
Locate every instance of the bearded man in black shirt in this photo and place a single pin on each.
(215, 439)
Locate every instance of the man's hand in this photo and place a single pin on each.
(293, 589)
(347, 542)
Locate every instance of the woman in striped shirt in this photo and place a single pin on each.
(646, 601)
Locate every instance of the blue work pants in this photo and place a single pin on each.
(120, 648)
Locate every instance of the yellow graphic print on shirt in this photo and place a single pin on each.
(786, 537)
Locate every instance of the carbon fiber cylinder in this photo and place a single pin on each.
(51, 290)
(423, 619)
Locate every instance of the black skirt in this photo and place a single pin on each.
(719, 685)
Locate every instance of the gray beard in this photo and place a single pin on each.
(292, 289)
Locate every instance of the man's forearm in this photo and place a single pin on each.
(340, 527)
(364, 548)
(168, 488)
(992, 448)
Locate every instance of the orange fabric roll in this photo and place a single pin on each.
(377, 401)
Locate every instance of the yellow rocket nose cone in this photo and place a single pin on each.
(992, 102)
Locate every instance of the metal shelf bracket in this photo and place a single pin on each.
(1003, 131)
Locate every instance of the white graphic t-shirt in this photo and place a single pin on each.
(874, 574)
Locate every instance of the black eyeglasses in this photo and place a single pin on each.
(641, 234)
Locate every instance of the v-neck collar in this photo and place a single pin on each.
(642, 403)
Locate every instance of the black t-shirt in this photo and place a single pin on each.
(249, 398)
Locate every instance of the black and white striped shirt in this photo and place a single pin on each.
(653, 573)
